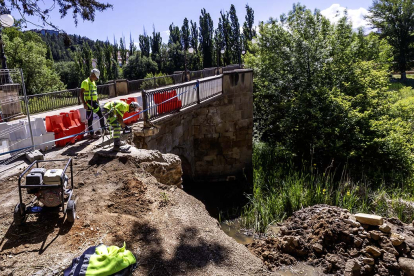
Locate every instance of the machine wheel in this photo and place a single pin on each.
(19, 217)
(71, 211)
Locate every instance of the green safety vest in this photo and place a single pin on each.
(90, 90)
(119, 107)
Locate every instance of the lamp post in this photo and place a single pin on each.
(190, 50)
(242, 54)
(222, 52)
(6, 20)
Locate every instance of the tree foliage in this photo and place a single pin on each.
(395, 22)
(185, 35)
(139, 66)
(206, 38)
(144, 44)
(84, 8)
(28, 51)
(194, 36)
(321, 96)
(248, 27)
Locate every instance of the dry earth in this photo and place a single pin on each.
(329, 237)
(120, 201)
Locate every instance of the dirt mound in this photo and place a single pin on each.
(130, 198)
(329, 237)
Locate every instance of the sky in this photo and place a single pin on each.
(131, 17)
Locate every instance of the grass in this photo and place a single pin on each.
(397, 84)
(278, 193)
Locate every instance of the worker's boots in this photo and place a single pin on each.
(116, 148)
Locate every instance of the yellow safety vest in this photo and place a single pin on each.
(90, 90)
(119, 107)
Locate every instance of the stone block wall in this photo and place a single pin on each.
(213, 139)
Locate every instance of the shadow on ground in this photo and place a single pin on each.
(192, 253)
(36, 231)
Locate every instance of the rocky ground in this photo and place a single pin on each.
(123, 198)
(331, 238)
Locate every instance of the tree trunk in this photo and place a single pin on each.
(403, 76)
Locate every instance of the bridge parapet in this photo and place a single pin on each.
(213, 135)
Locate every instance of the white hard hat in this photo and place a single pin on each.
(96, 72)
(134, 106)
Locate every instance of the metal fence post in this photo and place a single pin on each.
(155, 83)
(145, 107)
(198, 91)
(27, 108)
(78, 94)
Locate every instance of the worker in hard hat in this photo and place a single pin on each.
(89, 97)
(114, 113)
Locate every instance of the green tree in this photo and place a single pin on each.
(225, 33)
(156, 42)
(185, 35)
(110, 63)
(100, 62)
(123, 50)
(321, 95)
(206, 38)
(248, 27)
(194, 36)
(175, 35)
(138, 67)
(394, 20)
(87, 59)
(132, 47)
(68, 73)
(115, 64)
(235, 46)
(144, 44)
(28, 51)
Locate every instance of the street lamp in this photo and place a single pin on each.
(243, 52)
(222, 52)
(190, 50)
(6, 20)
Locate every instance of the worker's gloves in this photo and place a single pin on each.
(127, 129)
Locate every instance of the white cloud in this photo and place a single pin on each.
(356, 16)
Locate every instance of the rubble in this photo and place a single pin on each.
(329, 237)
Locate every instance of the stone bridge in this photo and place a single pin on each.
(212, 134)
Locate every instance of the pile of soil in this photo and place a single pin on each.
(331, 238)
(119, 201)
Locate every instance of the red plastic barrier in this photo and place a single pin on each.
(55, 124)
(80, 127)
(165, 105)
(70, 125)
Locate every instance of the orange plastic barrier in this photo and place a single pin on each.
(55, 124)
(171, 105)
(76, 118)
(129, 114)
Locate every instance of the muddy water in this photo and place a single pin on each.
(232, 230)
(300, 269)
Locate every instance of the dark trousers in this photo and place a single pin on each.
(89, 115)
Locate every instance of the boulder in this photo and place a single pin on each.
(369, 219)
(396, 239)
(374, 251)
(406, 265)
(375, 234)
(385, 228)
(368, 261)
(317, 247)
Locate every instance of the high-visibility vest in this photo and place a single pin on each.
(103, 260)
(119, 107)
(90, 90)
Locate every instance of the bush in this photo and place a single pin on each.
(321, 93)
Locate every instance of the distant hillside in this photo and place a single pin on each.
(62, 45)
